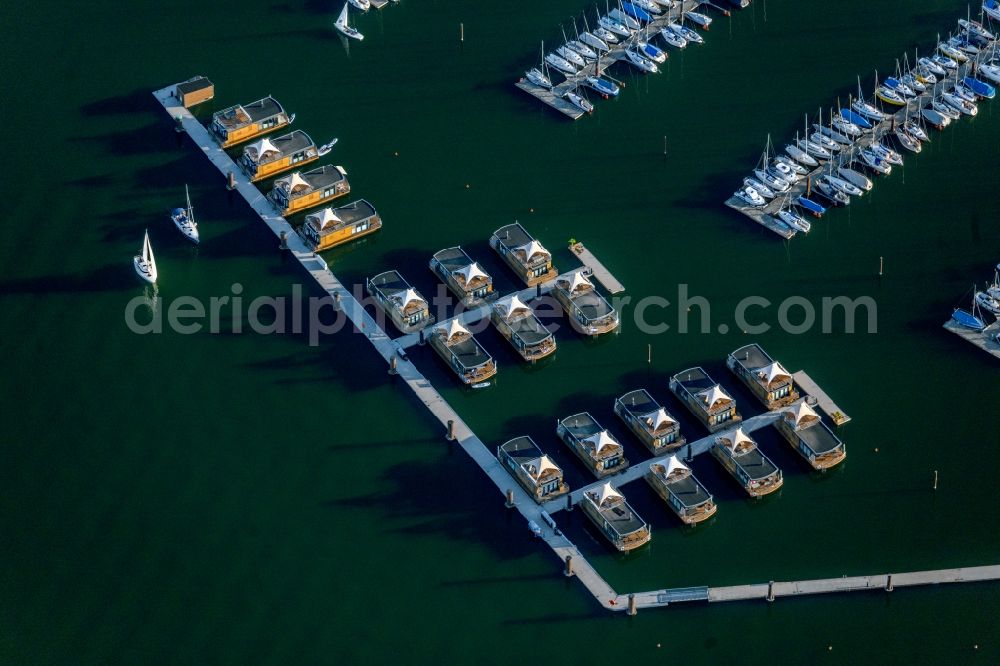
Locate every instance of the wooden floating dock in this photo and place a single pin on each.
(597, 269)
(805, 382)
(458, 431)
(554, 97)
(985, 339)
(765, 215)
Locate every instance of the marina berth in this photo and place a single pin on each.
(655, 427)
(806, 432)
(465, 278)
(592, 444)
(589, 313)
(269, 157)
(299, 191)
(517, 322)
(407, 309)
(462, 352)
(608, 510)
(674, 482)
(766, 378)
(245, 122)
(335, 226)
(741, 458)
(708, 401)
(535, 471)
(525, 255)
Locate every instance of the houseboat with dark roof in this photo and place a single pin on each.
(407, 309)
(524, 254)
(592, 444)
(708, 401)
(744, 461)
(535, 471)
(245, 122)
(462, 352)
(335, 226)
(297, 192)
(655, 427)
(518, 323)
(608, 510)
(766, 378)
(674, 482)
(803, 428)
(588, 312)
(464, 277)
(269, 157)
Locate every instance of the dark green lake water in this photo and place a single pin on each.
(171, 498)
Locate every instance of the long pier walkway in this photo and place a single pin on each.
(806, 383)
(988, 339)
(554, 97)
(765, 215)
(432, 400)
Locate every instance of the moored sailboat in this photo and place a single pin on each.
(183, 219)
(145, 263)
(343, 27)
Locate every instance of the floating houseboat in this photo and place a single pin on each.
(588, 312)
(244, 122)
(592, 444)
(518, 323)
(608, 510)
(524, 254)
(715, 408)
(269, 157)
(806, 432)
(766, 378)
(464, 277)
(741, 458)
(334, 226)
(535, 471)
(652, 424)
(676, 484)
(407, 309)
(462, 352)
(299, 191)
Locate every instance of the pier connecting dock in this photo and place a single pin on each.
(576, 564)
(597, 269)
(985, 339)
(806, 383)
(765, 215)
(554, 96)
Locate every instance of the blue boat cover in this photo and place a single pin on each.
(967, 320)
(811, 205)
(852, 117)
(981, 88)
(638, 13)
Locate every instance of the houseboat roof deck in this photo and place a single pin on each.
(698, 383)
(272, 149)
(241, 115)
(585, 297)
(760, 365)
(820, 439)
(298, 183)
(522, 245)
(749, 458)
(532, 459)
(643, 407)
(463, 345)
(456, 261)
(513, 235)
(582, 425)
(331, 219)
(529, 329)
(683, 485)
(616, 510)
(393, 286)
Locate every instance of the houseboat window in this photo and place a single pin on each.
(609, 463)
(414, 318)
(298, 157)
(550, 487)
(328, 191)
(538, 271)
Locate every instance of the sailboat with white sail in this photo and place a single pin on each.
(145, 263)
(183, 219)
(539, 76)
(344, 28)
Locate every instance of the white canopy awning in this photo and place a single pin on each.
(578, 281)
(512, 304)
(673, 464)
(263, 147)
(601, 441)
(655, 420)
(739, 437)
(471, 272)
(540, 466)
(453, 328)
(771, 372)
(533, 248)
(803, 413)
(406, 297)
(608, 492)
(325, 218)
(296, 181)
(712, 396)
